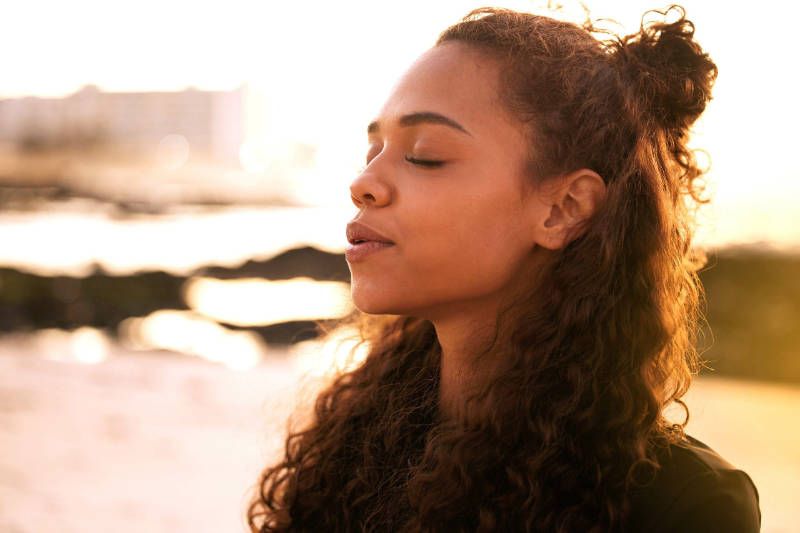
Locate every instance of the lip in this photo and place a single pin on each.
(357, 231)
(358, 252)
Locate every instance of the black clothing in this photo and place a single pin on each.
(696, 490)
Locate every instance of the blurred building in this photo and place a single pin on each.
(212, 122)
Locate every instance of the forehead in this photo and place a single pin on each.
(452, 79)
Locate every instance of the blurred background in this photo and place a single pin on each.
(173, 194)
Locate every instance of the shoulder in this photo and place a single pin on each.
(696, 490)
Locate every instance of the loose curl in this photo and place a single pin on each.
(573, 420)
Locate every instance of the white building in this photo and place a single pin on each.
(212, 122)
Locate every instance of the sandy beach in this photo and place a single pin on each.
(165, 443)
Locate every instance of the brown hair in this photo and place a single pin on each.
(575, 418)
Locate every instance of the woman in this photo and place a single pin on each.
(521, 256)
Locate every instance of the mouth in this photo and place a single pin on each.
(360, 234)
(358, 241)
(361, 249)
(364, 243)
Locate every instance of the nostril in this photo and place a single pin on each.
(366, 198)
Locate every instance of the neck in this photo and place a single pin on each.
(465, 330)
(462, 372)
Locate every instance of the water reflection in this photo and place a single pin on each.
(255, 302)
(83, 345)
(188, 333)
(72, 238)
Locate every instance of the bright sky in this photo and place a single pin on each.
(323, 68)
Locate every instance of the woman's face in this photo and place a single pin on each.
(444, 183)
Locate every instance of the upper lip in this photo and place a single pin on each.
(356, 231)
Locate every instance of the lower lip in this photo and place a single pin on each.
(358, 252)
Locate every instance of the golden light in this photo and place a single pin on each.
(187, 333)
(84, 345)
(338, 352)
(254, 302)
(71, 241)
(320, 81)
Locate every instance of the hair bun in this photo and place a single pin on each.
(668, 71)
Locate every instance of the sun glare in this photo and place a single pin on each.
(256, 302)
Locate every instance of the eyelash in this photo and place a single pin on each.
(425, 163)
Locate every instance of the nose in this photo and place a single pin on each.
(369, 190)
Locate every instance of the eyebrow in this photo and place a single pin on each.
(421, 117)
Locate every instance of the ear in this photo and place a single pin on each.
(569, 202)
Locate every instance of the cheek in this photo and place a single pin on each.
(457, 262)
(474, 253)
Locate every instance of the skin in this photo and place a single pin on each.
(469, 230)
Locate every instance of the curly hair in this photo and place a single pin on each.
(574, 417)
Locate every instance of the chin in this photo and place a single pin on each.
(373, 306)
(377, 302)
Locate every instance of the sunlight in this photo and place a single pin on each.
(319, 81)
(85, 345)
(338, 352)
(74, 242)
(256, 302)
(185, 332)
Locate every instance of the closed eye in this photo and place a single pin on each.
(428, 163)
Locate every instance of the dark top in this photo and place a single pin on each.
(696, 490)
